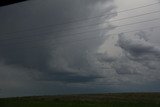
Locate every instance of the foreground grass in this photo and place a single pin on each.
(96, 100)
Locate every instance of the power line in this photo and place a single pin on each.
(135, 16)
(139, 22)
(40, 27)
(73, 34)
(95, 25)
(153, 27)
(70, 42)
(30, 41)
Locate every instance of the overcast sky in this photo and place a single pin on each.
(50, 47)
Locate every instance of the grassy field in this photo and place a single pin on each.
(92, 100)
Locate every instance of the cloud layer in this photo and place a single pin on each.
(46, 54)
(137, 61)
(55, 60)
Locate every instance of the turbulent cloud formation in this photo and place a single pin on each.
(139, 48)
(30, 55)
(64, 54)
(137, 61)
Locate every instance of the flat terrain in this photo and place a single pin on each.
(90, 100)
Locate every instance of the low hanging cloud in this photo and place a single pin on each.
(42, 59)
(139, 48)
(53, 61)
(138, 60)
(35, 60)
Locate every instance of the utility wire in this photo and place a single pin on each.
(138, 22)
(80, 20)
(96, 24)
(75, 41)
(153, 27)
(79, 33)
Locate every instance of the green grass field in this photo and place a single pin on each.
(93, 100)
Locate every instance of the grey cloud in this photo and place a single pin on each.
(125, 68)
(37, 61)
(66, 77)
(142, 52)
(104, 57)
(142, 35)
(137, 60)
(48, 62)
(138, 48)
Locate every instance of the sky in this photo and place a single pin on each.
(79, 46)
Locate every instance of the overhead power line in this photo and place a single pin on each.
(153, 27)
(80, 20)
(79, 40)
(58, 31)
(79, 33)
(98, 24)
(139, 22)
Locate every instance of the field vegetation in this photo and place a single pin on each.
(90, 100)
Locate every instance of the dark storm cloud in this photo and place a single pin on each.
(136, 60)
(66, 77)
(124, 69)
(29, 50)
(105, 57)
(138, 48)
(52, 60)
(141, 54)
